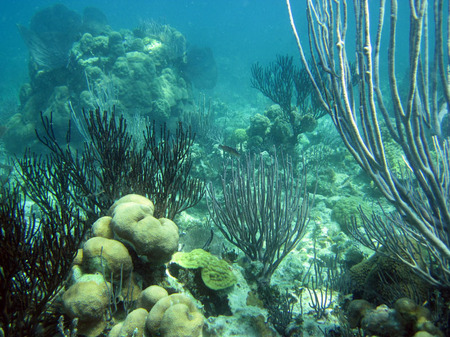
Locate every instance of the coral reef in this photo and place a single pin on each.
(137, 71)
(105, 289)
(275, 261)
(406, 318)
(381, 279)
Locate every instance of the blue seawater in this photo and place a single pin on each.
(239, 33)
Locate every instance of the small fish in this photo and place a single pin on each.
(230, 150)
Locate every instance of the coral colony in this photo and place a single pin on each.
(133, 206)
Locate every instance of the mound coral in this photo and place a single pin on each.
(106, 256)
(133, 325)
(175, 316)
(133, 223)
(405, 319)
(102, 227)
(150, 296)
(103, 259)
(365, 277)
(87, 301)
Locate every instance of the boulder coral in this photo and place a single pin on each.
(102, 228)
(133, 325)
(365, 279)
(121, 305)
(107, 257)
(87, 301)
(405, 319)
(136, 198)
(175, 316)
(150, 296)
(154, 240)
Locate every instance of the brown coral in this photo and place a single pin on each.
(175, 316)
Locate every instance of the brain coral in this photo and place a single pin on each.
(102, 227)
(380, 279)
(133, 223)
(106, 256)
(87, 301)
(175, 316)
(150, 296)
(133, 325)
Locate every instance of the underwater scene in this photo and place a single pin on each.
(254, 168)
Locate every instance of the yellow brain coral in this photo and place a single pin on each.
(133, 223)
(175, 316)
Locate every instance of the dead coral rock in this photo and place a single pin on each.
(356, 311)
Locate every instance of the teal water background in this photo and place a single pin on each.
(239, 33)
